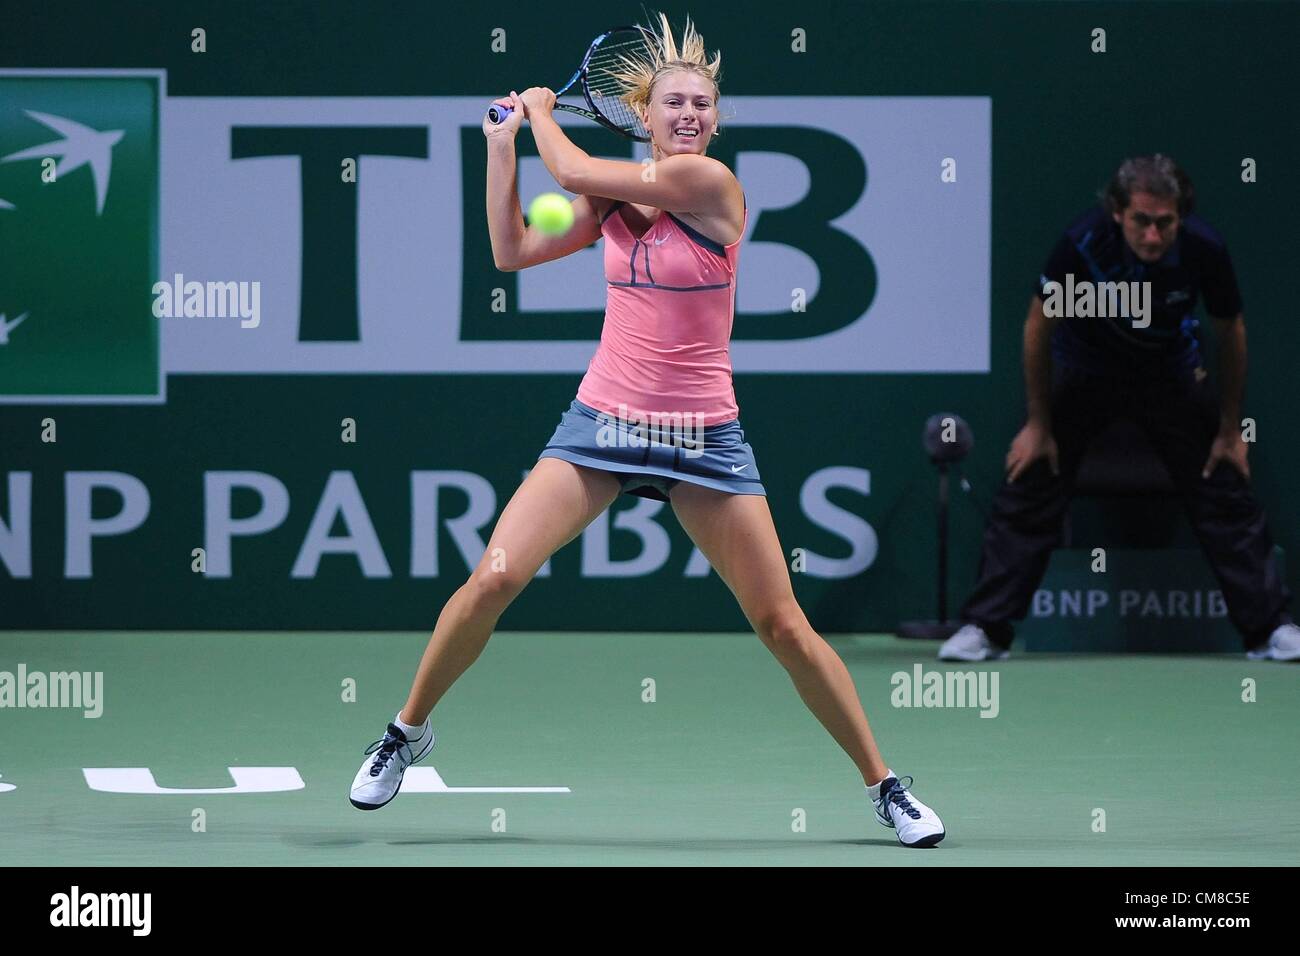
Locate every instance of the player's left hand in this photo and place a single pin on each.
(537, 99)
(1228, 446)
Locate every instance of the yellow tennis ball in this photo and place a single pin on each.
(551, 213)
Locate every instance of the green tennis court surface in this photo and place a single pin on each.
(712, 772)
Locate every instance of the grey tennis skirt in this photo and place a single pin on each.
(649, 463)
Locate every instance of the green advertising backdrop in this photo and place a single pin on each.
(1209, 83)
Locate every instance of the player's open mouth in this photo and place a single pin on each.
(686, 132)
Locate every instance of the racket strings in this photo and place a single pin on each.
(606, 89)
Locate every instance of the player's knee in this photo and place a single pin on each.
(494, 589)
(784, 630)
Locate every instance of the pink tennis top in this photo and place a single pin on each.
(665, 344)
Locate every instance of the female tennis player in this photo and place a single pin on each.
(672, 231)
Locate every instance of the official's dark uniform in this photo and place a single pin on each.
(1106, 369)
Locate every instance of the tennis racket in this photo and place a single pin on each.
(602, 92)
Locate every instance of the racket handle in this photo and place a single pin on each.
(498, 114)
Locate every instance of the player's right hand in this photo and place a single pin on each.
(1033, 442)
(512, 122)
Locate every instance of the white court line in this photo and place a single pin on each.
(428, 780)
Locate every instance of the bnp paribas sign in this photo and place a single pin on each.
(143, 235)
(79, 184)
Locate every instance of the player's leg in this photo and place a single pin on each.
(553, 505)
(735, 533)
(1181, 421)
(1025, 521)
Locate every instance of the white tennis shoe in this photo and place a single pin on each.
(1283, 645)
(970, 643)
(380, 777)
(915, 824)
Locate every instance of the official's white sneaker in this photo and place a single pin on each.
(380, 777)
(1283, 645)
(970, 643)
(915, 824)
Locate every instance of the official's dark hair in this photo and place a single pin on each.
(1158, 175)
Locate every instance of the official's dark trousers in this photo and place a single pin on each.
(1180, 420)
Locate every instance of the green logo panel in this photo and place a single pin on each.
(78, 236)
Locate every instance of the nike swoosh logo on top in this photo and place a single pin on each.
(660, 242)
(739, 468)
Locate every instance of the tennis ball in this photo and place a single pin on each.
(551, 213)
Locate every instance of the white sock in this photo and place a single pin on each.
(873, 791)
(412, 733)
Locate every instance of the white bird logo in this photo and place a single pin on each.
(80, 146)
(7, 327)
